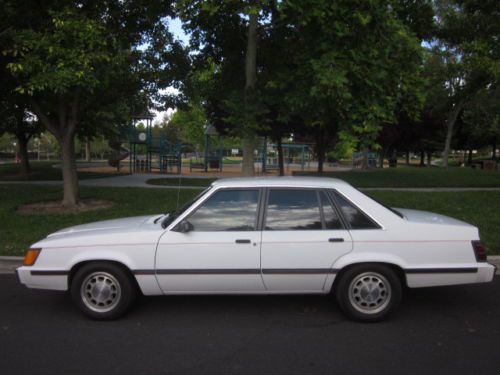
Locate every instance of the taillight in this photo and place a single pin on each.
(479, 251)
(30, 256)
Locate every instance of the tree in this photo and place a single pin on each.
(472, 57)
(15, 117)
(336, 69)
(481, 120)
(23, 125)
(67, 59)
(355, 64)
(224, 35)
(191, 122)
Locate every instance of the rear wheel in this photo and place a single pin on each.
(102, 290)
(368, 292)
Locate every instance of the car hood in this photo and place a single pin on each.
(118, 225)
(417, 216)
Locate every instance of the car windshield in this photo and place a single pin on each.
(171, 216)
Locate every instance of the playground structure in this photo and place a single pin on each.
(293, 153)
(365, 159)
(213, 153)
(149, 152)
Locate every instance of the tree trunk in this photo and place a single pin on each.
(321, 161)
(70, 177)
(88, 155)
(429, 158)
(469, 157)
(23, 153)
(63, 126)
(422, 158)
(247, 165)
(450, 122)
(320, 152)
(381, 158)
(393, 160)
(364, 164)
(281, 164)
(494, 151)
(248, 139)
(407, 157)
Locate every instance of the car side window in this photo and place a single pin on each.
(289, 209)
(227, 210)
(354, 216)
(332, 219)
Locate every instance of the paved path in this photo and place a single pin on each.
(451, 330)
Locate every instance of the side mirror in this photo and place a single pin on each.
(184, 227)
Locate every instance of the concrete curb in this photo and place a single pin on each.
(8, 264)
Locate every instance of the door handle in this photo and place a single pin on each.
(243, 241)
(335, 240)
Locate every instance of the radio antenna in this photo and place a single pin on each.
(179, 187)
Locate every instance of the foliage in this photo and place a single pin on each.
(472, 64)
(190, 122)
(43, 61)
(88, 67)
(481, 119)
(333, 69)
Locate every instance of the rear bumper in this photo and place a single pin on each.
(43, 279)
(479, 273)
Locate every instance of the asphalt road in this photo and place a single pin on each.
(454, 330)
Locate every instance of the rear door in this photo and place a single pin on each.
(302, 237)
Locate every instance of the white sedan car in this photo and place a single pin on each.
(261, 236)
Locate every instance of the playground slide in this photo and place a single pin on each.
(121, 153)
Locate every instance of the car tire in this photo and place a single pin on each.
(368, 292)
(103, 291)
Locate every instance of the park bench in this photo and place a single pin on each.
(195, 165)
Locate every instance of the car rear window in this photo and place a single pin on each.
(356, 218)
(290, 209)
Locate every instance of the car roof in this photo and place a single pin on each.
(321, 182)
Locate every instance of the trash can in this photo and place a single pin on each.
(489, 165)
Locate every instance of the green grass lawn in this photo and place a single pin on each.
(481, 209)
(19, 231)
(418, 177)
(43, 171)
(387, 177)
(184, 181)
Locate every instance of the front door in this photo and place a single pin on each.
(301, 239)
(222, 251)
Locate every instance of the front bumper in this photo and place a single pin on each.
(42, 279)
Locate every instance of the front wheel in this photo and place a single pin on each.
(102, 291)
(368, 292)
